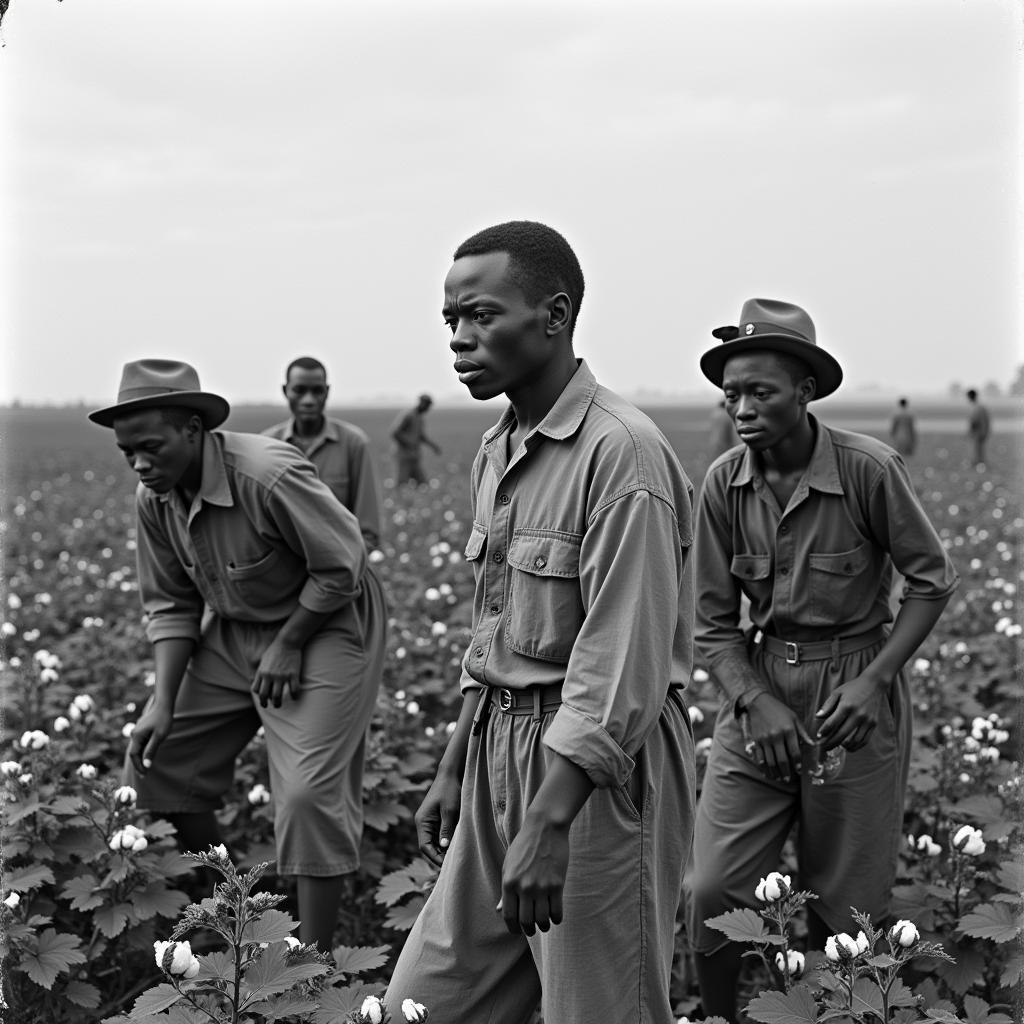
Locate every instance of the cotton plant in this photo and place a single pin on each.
(261, 972)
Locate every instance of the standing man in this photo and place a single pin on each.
(903, 431)
(562, 808)
(808, 522)
(339, 450)
(409, 436)
(978, 426)
(293, 639)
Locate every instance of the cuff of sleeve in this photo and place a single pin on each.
(316, 599)
(581, 740)
(743, 701)
(173, 627)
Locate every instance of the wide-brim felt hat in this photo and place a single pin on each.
(158, 383)
(773, 326)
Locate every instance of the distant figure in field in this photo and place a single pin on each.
(339, 450)
(723, 434)
(903, 432)
(978, 428)
(408, 435)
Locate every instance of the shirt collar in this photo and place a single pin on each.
(329, 432)
(214, 488)
(565, 416)
(822, 472)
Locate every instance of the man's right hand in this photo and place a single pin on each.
(150, 731)
(438, 815)
(777, 735)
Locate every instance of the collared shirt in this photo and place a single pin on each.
(407, 432)
(822, 568)
(580, 548)
(263, 535)
(341, 454)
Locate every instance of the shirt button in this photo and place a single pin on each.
(479, 652)
(498, 557)
(539, 563)
(783, 528)
(784, 571)
(504, 499)
(495, 608)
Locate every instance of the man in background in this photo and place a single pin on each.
(978, 428)
(903, 432)
(339, 450)
(409, 437)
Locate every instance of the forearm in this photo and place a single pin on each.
(300, 626)
(736, 677)
(562, 794)
(453, 760)
(914, 622)
(171, 658)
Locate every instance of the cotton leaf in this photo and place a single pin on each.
(157, 900)
(995, 921)
(156, 1000)
(83, 892)
(740, 925)
(1011, 876)
(796, 1006)
(336, 1004)
(271, 926)
(28, 878)
(275, 972)
(111, 921)
(1013, 972)
(404, 917)
(356, 959)
(82, 994)
(382, 814)
(288, 1005)
(53, 953)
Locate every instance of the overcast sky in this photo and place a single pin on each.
(236, 183)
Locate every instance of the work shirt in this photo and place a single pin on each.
(978, 423)
(407, 432)
(341, 454)
(580, 548)
(263, 535)
(822, 568)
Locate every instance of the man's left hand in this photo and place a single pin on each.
(849, 715)
(533, 877)
(280, 669)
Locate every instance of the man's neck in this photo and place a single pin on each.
(534, 402)
(307, 428)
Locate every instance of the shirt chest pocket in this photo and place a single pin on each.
(841, 588)
(257, 582)
(754, 574)
(545, 606)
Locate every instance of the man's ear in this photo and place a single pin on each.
(807, 389)
(284, 390)
(559, 313)
(194, 427)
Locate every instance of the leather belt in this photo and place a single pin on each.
(796, 652)
(533, 700)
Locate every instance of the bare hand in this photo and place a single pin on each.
(850, 714)
(279, 669)
(533, 877)
(149, 732)
(777, 735)
(437, 817)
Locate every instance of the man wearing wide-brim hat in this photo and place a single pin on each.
(292, 639)
(808, 522)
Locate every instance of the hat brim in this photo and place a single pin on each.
(212, 409)
(827, 372)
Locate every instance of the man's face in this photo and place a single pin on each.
(762, 399)
(306, 392)
(160, 453)
(498, 337)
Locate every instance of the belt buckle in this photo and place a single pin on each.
(792, 653)
(505, 700)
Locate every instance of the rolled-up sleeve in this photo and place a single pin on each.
(171, 601)
(901, 526)
(319, 529)
(634, 572)
(718, 631)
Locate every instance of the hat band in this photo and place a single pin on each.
(752, 329)
(132, 394)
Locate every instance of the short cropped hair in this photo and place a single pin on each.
(972, 394)
(541, 261)
(305, 363)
